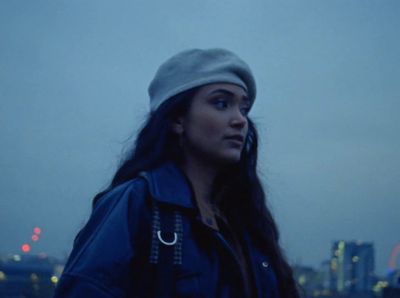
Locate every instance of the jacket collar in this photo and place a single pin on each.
(168, 184)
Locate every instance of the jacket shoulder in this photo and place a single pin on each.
(122, 202)
(111, 238)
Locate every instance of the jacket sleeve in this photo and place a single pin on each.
(108, 250)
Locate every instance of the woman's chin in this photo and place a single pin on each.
(230, 158)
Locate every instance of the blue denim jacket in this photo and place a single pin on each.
(110, 257)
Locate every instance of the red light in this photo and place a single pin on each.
(26, 248)
(37, 230)
(35, 237)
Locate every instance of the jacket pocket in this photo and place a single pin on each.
(187, 285)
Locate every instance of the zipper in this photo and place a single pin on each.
(225, 244)
(233, 254)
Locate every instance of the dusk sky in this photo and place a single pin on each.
(73, 91)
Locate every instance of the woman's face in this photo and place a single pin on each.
(215, 126)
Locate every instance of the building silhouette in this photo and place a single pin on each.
(352, 267)
(29, 276)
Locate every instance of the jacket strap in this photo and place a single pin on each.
(166, 246)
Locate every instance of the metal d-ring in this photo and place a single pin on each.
(165, 242)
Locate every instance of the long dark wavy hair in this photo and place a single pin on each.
(237, 190)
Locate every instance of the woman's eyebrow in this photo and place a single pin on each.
(229, 93)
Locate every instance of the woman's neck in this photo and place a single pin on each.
(201, 176)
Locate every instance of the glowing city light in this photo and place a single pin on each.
(34, 277)
(37, 230)
(334, 264)
(54, 279)
(2, 276)
(337, 253)
(302, 279)
(26, 248)
(35, 237)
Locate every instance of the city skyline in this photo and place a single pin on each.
(348, 272)
(392, 264)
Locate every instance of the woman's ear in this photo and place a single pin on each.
(177, 125)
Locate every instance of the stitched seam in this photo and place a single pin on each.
(155, 244)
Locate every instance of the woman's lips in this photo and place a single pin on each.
(237, 139)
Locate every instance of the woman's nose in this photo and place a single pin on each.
(238, 119)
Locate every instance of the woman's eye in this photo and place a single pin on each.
(245, 110)
(221, 104)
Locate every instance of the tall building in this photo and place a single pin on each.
(325, 274)
(352, 267)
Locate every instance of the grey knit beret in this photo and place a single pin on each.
(196, 67)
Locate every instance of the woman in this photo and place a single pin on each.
(185, 214)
